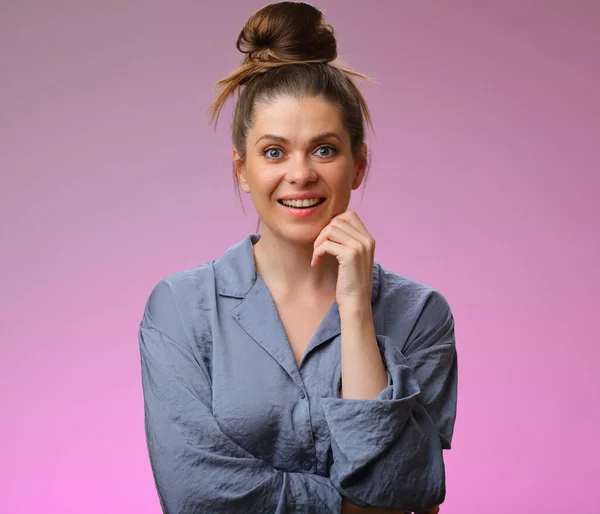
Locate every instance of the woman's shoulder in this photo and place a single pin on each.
(191, 292)
(234, 264)
(396, 290)
(190, 281)
(168, 304)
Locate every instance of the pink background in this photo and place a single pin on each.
(484, 184)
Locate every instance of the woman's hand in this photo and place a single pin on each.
(346, 238)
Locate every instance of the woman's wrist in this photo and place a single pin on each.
(359, 310)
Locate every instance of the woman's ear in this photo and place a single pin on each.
(239, 169)
(360, 166)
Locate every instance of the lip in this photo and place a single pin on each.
(302, 196)
(302, 213)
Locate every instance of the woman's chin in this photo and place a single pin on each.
(301, 235)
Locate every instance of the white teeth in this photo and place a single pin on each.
(301, 203)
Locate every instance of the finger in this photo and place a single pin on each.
(327, 247)
(340, 234)
(345, 224)
(351, 219)
(354, 220)
(336, 234)
(322, 236)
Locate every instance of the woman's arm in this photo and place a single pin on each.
(387, 451)
(364, 368)
(387, 437)
(363, 372)
(196, 467)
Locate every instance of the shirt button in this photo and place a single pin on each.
(302, 395)
(307, 465)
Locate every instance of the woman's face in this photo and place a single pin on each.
(299, 147)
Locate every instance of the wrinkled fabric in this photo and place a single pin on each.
(233, 424)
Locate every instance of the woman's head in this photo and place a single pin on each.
(289, 90)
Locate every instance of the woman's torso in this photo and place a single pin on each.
(267, 388)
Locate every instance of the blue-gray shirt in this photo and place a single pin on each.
(233, 424)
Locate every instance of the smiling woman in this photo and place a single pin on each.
(299, 166)
(294, 373)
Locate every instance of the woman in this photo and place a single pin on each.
(294, 374)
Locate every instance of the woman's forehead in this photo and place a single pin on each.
(293, 118)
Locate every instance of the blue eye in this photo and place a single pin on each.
(274, 153)
(331, 151)
(269, 153)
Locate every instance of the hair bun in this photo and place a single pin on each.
(287, 32)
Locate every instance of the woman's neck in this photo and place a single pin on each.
(285, 268)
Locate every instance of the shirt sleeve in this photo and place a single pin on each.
(196, 467)
(387, 452)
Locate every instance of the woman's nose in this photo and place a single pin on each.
(301, 171)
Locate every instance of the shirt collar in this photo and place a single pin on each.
(236, 273)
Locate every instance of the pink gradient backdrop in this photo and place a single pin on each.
(484, 183)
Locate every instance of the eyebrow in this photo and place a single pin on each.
(316, 139)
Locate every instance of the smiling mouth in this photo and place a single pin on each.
(301, 204)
